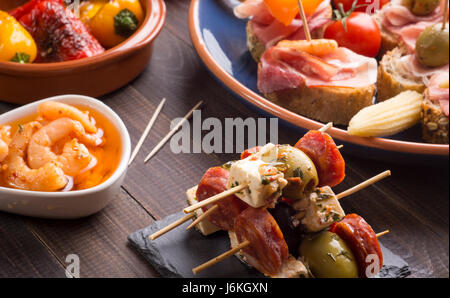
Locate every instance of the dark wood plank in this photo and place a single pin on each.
(100, 240)
(21, 253)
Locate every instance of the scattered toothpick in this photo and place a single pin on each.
(146, 131)
(382, 233)
(172, 132)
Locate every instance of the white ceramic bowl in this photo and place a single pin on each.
(73, 204)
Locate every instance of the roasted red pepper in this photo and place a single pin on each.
(361, 239)
(59, 34)
(322, 150)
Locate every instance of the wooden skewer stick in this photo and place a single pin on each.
(305, 22)
(203, 216)
(215, 198)
(340, 147)
(232, 251)
(445, 15)
(382, 233)
(363, 185)
(326, 127)
(172, 132)
(146, 131)
(221, 257)
(171, 226)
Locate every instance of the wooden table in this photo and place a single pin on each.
(413, 203)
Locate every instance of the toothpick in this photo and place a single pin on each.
(147, 130)
(172, 132)
(326, 127)
(171, 226)
(340, 147)
(382, 233)
(305, 22)
(221, 257)
(363, 185)
(203, 216)
(215, 198)
(444, 21)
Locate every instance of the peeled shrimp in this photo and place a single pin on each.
(5, 138)
(17, 174)
(75, 156)
(316, 47)
(3, 150)
(52, 110)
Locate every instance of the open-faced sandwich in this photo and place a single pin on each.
(400, 20)
(271, 21)
(318, 79)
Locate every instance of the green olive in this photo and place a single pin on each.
(298, 166)
(328, 256)
(421, 7)
(432, 46)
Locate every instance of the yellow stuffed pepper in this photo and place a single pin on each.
(16, 44)
(111, 22)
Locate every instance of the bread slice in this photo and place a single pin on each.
(389, 40)
(434, 122)
(205, 226)
(326, 104)
(392, 79)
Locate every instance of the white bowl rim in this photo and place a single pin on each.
(107, 112)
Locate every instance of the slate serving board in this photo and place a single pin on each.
(178, 251)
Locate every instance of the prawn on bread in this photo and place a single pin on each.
(273, 20)
(401, 21)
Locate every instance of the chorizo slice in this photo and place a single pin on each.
(249, 152)
(322, 150)
(267, 250)
(361, 239)
(214, 181)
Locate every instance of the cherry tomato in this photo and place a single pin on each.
(362, 34)
(367, 6)
(286, 10)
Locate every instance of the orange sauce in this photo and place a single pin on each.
(107, 155)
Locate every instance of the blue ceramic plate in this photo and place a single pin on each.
(220, 40)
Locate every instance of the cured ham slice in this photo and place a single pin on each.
(284, 68)
(409, 34)
(270, 31)
(395, 15)
(439, 93)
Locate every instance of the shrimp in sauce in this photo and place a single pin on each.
(60, 148)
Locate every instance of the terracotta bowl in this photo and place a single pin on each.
(93, 76)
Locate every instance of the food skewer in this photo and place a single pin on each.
(172, 132)
(239, 188)
(146, 131)
(236, 249)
